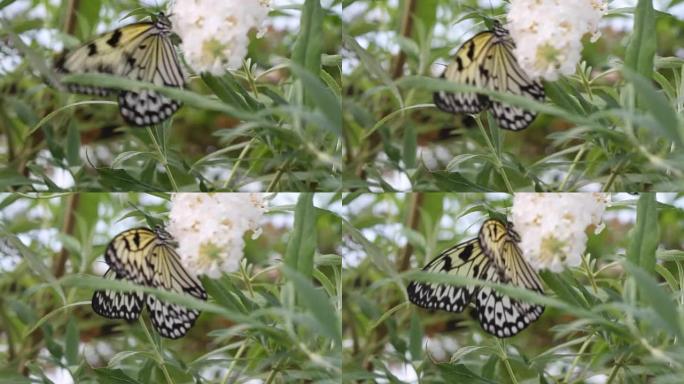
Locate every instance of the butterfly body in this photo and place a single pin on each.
(141, 51)
(486, 61)
(493, 256)
(148, 258)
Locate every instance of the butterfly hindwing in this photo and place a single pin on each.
(464, 70)
(158, 64)
(487, 61)
(493, 256)
(169, 319)
(148, 258)
(117, 304)
(465, 259)
(509, 77)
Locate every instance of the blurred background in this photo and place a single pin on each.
(396, 140)
(205, 149)
(388, 339)
(49, 332)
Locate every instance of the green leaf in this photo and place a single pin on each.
(113, 376)
(655, 296)
(73, 146)
(318, 303)
(459, 373)
(644, 237)
(120, 180)
(308, 47)
(561, 289)
(322, 97)
(302, 244)
(455, 182)
(410, 146)
(657, 105)
(642, 46)
(72, 342)
(416, 337)
(229, 91)
(10, 178)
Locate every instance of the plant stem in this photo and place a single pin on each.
(160, 358)
(577, 358)
(561, 187)
(250, 79)
(590, 275)
(499, 164)
(613, 175)
(237, 356)
(614, 371)
(238, 162)
(162, 156)
(507, 364)
(278, 175)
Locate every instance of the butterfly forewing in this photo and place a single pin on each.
(156, 63)
(487, 61)
(464, 70)
(169, 319)
(147, 257)
(140, 51)
(127, 253)
(495, 257)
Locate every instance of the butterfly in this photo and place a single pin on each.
(493, 256)
(140, 51)
(487, 61)
(148, 258)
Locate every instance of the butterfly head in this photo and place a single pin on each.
(494, 231)
(499, 30)
(511, 232)
(163, 235)
(162, 22)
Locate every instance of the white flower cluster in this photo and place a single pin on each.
(548, 33)
(210, 227)
(214, 33)
(552, 226)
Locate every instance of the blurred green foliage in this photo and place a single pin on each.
(591, 132)
(251, 328)
(606, 319)
(247, 129)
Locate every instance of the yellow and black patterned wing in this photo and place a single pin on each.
(127, 254)
(117, 304)
(465, 259)
(500, 314)
(487, 61)
(169, 319)
(154, 61)
(466, 70)
(141, 51)
(105, 54)
(505, 75)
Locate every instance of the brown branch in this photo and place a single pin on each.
(406, 31)
(67, 229)
(412, 222)
(70, 17)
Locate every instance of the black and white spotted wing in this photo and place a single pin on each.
(140, 51)
(117, 304)
(465, 259)
(171, 320)
(493, 256)
(487, 61)
(147, 257)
